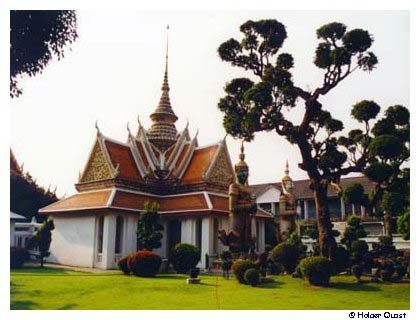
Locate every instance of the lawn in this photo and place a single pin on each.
(63, 289)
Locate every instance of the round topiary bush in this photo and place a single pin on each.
(252, 277)
(297, 273)
(123, 265)
(357, 270)
(184, 257)
(286, 255)
(239, 268)
(317, 270)
(18, 256)
(400, 271)
(387, 270)
(358, 249)
(144, 263)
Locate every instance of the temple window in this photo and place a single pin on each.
(119, 234)
(100, 233)
(198, 232)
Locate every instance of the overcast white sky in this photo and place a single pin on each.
(114, 72)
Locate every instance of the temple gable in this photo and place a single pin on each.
(221, 172)
(97, 167)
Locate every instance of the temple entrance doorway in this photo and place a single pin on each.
(174, 234)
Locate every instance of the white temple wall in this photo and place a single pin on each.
(73, 240)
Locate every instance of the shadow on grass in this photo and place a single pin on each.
(19, 304)
(271, 285)
(363, 287)
(68, 306)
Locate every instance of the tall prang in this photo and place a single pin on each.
(288, 211)
(162, 133)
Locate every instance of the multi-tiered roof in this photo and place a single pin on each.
(159, 164)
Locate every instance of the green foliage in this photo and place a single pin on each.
(342, 259)
(357, 270)
(354, 231)
(184, 257)
(18, 256)
(239, 268)
(149, 231)
(365, 110)
(387, 270)
(400, 271)
(27, 197)
(286, 255)
(379, 172)
(42, 239)
(123, 265)
(144, 263)
(358, 250)
(36, 36)
(354, 194)
(252, 277)
(387, 147)
(403, 225)
(317, 270)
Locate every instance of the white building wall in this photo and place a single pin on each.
(73, 241)
(271, 195)
(12, 233)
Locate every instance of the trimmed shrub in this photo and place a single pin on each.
(123, 265)
(225, 255)
(358, 249)
(184, 257)
(286, 255)
(144, 263)
(297, 273)
(357, 270)
(317, 270)
(342, 259)
(18, 256)
(252, 277)
(387, 270)
(400, 271)
(239, 268)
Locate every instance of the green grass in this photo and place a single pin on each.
(63, 289)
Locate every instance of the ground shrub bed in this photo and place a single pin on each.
(317, 270)
(142, 264)
(239, 268)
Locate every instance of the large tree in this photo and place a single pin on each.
(149, 231)
(263, 102)
(35, 37)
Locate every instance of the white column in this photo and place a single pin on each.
(206, 240)
(163, 249)
(273, 208)
(261, 240)
(108, 252)
(306, 209)
(12, 233)
(343, 210)
(362, 211)
(352, 209)
(186, 231)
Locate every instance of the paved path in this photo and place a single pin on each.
(60, 266)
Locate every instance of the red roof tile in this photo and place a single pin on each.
(121, 155)
(199, 163)
(86, 200)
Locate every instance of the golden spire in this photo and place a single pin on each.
(163, 131)
(287, 168)
(241, 163)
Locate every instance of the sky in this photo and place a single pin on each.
(113, 73)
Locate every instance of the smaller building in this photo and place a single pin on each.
(14, 217)
(269, 199)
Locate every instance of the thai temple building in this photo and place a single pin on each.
(98, 225)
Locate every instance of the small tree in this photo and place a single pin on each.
(149, 231)
(403, 225)
(42, 240)
(354, 231)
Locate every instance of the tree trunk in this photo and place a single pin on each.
(326, 238)
(387, 225)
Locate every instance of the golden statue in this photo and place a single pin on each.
(242, 208)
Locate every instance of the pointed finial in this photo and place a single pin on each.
(287, 168)
(242, 154)
(167, 48)
(97, 127)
